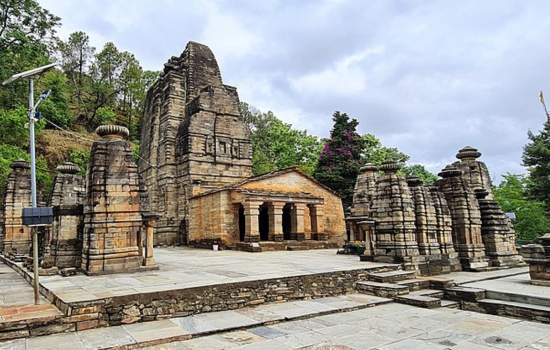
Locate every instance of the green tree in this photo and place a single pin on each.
(536, 156)
(26, 34)
(341, 157)
(374, 152)
(419, 171)
(531, 216)
(277, 145)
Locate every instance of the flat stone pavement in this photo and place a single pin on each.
(17, 299)
(182, 267)
(518, 284)
(388, 326)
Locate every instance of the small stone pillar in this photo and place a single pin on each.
(538, 257)
(150, 220)
(466, 219)
(67, 200)
(252, 220)
(297, 218)
(17, 238)
(497, 233)
(474, 171)
(112, 214)
(393, 211)
(449, 257)
(275, 211)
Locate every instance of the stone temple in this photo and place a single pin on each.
(197, 167)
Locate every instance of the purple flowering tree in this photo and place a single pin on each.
(341, 158)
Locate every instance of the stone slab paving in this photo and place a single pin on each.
(388, 326)
(139, 335)
(17, 300)
(182, 267)
(518, 284)
(463, 277)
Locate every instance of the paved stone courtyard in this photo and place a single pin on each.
(384, 327)
(353, 321)
(182, 267)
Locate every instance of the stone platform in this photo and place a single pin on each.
(192, 281)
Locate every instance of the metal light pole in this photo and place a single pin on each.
(16, 77)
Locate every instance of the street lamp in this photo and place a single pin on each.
(31, 74)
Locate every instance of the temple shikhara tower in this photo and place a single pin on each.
(193, 139)
(197, 166)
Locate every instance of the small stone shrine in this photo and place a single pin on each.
(538, 257)
(67, 200)
(466, 229)
(112, 239)
(17, 237)
(437, 229)
(499, 238)
(394, 213)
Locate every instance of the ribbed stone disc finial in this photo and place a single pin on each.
(368, 167)
(468, 152)
(414, 181)
(68, 168)
(390, 166)
(112, 131)
(20, 163)
(449, 171)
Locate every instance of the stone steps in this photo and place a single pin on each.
(391, 276)
(518, 298)
(384, 290)
(439, 294)
(419, 300)
(415, 284)
(514, 309)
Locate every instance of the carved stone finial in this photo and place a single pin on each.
(468, 153)
(112, 132)
(68, 168)
(368, 167)
(20, 164)
(390, 166)
(414, 181)
(449, 171)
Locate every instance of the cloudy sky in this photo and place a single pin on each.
(427, 77)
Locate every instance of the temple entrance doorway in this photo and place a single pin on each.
(264, 222)
(287, 221)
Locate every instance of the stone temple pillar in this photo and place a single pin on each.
(297, 218)
(393, 211)
(17, 238)
(112, 214)
(275, 211)
(252, 220)
(449, 257)
(317, 230)
(497, 233)
(466, 218)
(67, 200)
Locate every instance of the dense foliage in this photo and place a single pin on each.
(277, 145)
(341, 157)
(536, 156)
(531, 216)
